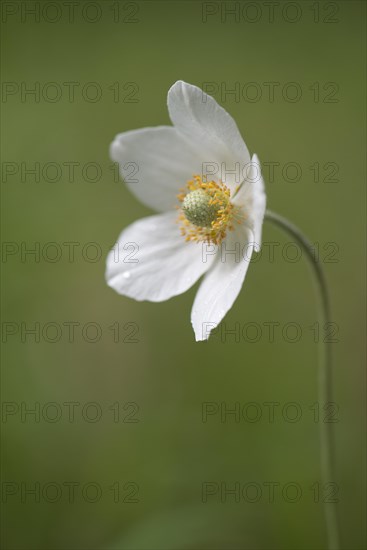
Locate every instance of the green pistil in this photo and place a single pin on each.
(198, 208)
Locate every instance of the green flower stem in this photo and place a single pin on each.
(324, 374)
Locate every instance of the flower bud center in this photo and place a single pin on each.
(200, 209)
(207, 212)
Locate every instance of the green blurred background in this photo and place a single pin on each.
(155, 372)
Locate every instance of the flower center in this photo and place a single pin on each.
(200, 209)
(207, 212)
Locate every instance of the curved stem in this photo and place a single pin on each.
(324, 374)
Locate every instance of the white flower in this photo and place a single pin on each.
(210, 227)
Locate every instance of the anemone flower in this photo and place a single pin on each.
(210, 196)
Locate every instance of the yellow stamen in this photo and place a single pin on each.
(207, 212)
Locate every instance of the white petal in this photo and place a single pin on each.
(211, 129)
(222, 284)
(252, 199)
(155, 164)
(152, 261)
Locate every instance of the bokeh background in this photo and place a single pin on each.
(137, 451)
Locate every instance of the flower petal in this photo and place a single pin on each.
(222, 284)
(211, 129)
(155, 164)
(252, 199)
(152, 261)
